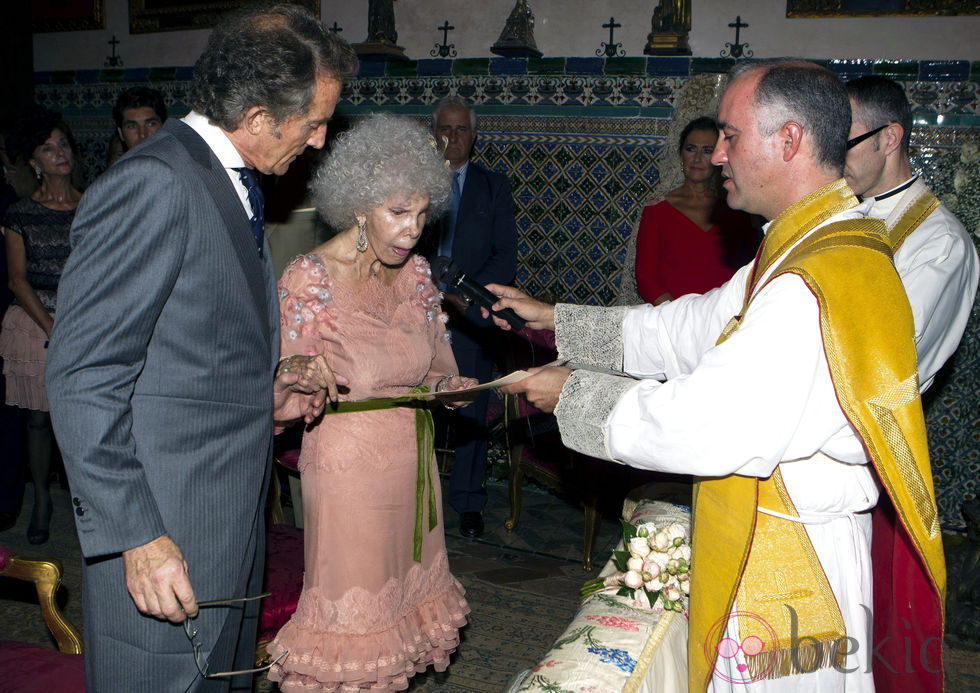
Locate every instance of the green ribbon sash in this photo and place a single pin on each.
(424, 445)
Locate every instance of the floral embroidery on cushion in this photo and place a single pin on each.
(302, 314)
(609, 655)
(615, 622)
(542, 665)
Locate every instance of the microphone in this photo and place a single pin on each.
(448, 272)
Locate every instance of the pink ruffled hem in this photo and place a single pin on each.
(377, 662)
(24, 356)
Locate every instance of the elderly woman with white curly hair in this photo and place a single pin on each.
(378, 602)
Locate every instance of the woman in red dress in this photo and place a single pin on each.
(692, 242)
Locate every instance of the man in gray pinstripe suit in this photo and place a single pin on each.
(160, 371)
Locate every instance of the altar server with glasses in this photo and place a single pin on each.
(934, 255)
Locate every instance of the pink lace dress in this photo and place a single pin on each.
(369, 616)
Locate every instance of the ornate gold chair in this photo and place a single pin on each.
(534, 446)
(30, 668)
(534, 449)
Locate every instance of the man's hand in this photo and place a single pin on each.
(542, 387)
(157, 580)
(302, 385)
(539, 315)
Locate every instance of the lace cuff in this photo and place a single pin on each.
(584, 405)
(590, 335)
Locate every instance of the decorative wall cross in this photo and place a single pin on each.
(113, 60)
(610, 49)
(336, 28)
(444, 49)
(737, 50)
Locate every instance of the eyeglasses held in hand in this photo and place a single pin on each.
(202, 662)
(855, 141)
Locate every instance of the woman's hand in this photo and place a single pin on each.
(539, 315)
(455, 382)
(19, 286)
(302, 386)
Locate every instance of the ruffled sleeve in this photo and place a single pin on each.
(429, 299)
(305, 306)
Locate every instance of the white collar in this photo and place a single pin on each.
(897, 189)
(216, 139)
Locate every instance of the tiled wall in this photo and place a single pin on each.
(578, 138)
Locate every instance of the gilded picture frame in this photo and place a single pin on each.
(67, 15)
(147, 16)
(881, 8)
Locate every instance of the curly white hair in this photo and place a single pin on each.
(380, 157)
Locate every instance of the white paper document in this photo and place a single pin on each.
(461, 394)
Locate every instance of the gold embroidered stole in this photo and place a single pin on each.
(872, 359)
(768, 562)
(916, 205)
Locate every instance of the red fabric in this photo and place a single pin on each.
(32, 669)
(283, 578)
(675, 256)
(495, 409)
(5, 556)
(551, 463)
(908, 630)
(290, 459)
(543, 338)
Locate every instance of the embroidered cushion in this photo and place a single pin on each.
(614, 643)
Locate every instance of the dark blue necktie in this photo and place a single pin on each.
(446, 242)
(257, 202)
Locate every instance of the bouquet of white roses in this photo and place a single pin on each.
(655, 561)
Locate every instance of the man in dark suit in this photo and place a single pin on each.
(480, 235)
(160, 371)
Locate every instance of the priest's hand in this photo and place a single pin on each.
(539, 315)
(157, 580)
(542, 387)
(302, 386)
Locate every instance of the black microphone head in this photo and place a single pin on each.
(444, 269)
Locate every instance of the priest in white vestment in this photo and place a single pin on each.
(763, 400)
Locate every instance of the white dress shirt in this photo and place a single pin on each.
(225, 152)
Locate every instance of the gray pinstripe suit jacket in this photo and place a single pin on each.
(159, 374)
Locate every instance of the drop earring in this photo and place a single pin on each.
(362, 242)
